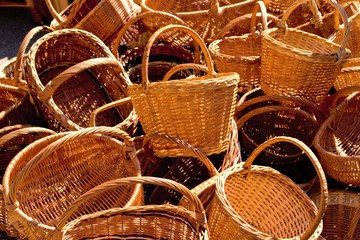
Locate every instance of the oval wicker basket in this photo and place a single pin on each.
(256, 202)
(103, 18)
(302, 64)
(141, 222)
(12, 140)
(48, 175)
(191, 109)
(337, 141)
(72, 73)
(341, 220)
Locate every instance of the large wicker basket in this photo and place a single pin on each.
(48, 175)
(103, 18)
(191, 109)
(72, 73)
(205, 17)
(302, 64)
(341, 220)
(242, 53)
(12, 140)
(256, 202)
(337, 141)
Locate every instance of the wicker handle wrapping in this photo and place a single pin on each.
(192, 33)
(184, 66)
(107, 107)
(137, 18)
(22, 49)
(322, 178)
(341, 53)
(202, 157)
(51, 87)
(36, 160)
(196, 204)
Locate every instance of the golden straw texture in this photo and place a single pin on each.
(257, 202)
(337, 141)
(349, 75)
(48, 175)
(302, 64)
(191, 109)
(140, 222)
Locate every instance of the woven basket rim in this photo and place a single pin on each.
(300, 53)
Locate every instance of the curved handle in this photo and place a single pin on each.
(258, 5)
(106, 107)
(202, 157)
(323, 183)
(138, 17)
(51, 86)
(54, 13)
(342, 106)
(36, 160)
(341, 53)
(336, 14)
(341, 93)
(23, 132)
(192, 33)
(196, 204)
(22, 49)
(184, 66)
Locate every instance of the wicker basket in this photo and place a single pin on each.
(191, 109)
(63, 167)
(301, 64)
(337, 142)
(72, 73)
(341, 220)
(349, 75)
(240, 54)
(12, 140)
(263, 117)
(103, 18)
(205, 17)
(139, 222)
(256, 202)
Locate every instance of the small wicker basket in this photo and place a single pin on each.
(191, 109)
(140, 222)
(302, 64)
(51, 173)
(337, 141)
(256, 202)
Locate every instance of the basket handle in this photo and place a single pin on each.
(336, 14)
(106, 107)
(23, 132)
(50, 88)
(36, 160)
(137, 18)
(259, 5)
(202, 157)
(341, 53)
(195, 204)
(323, 183)
(345, 91)
(54, 13)
(22, 49)
(192, 33)
(184, 66)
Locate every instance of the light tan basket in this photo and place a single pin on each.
(206, 17)
(191, 109)
(256, 202)
(341, 220)
(337, 141)
(242, 53)
(103, 18)
(141, 222)
(298, 63)
(48, 175)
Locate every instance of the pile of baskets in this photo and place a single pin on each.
(142, 120)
